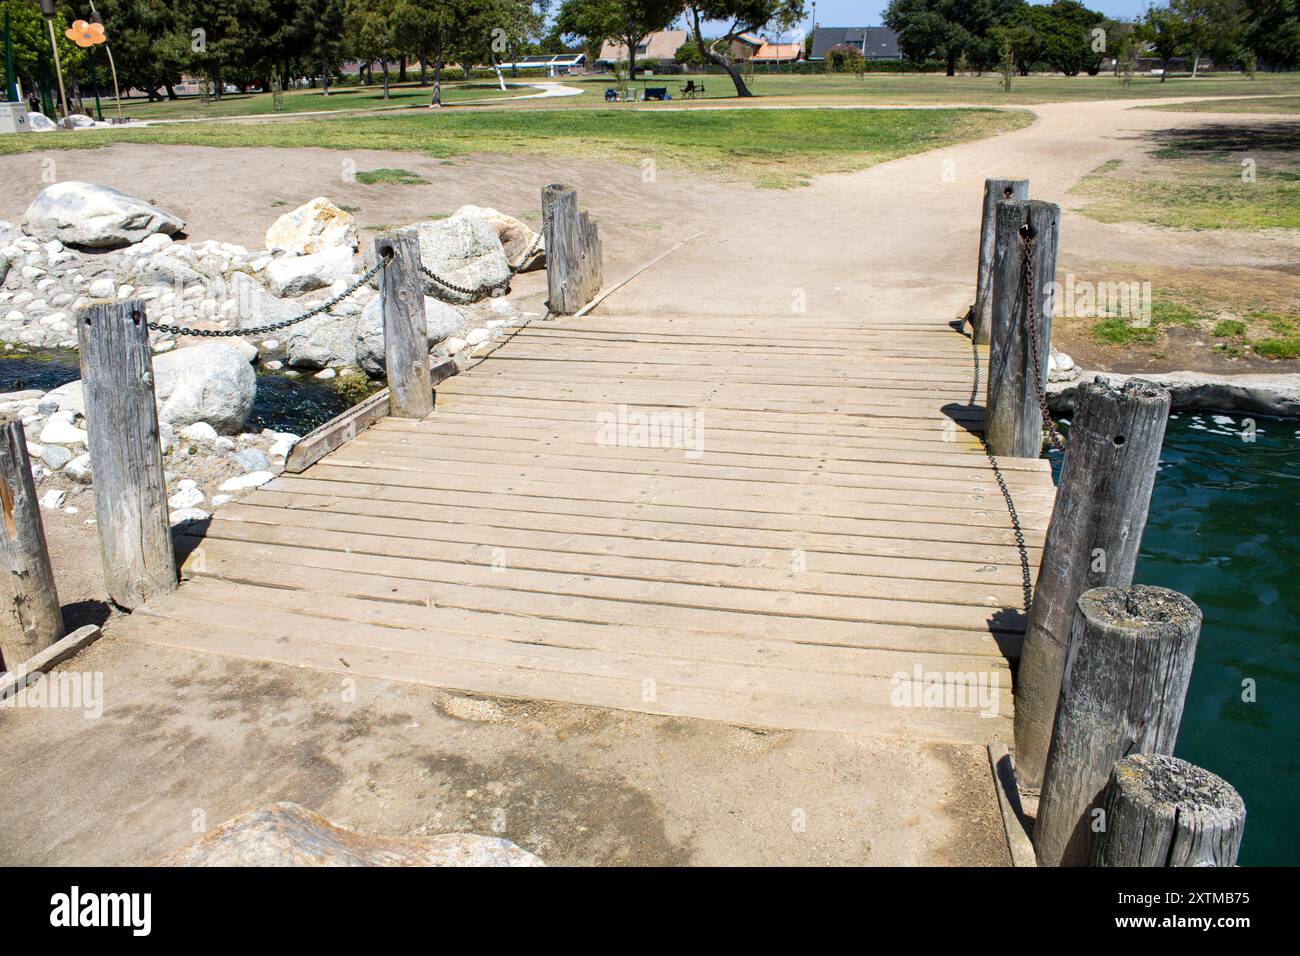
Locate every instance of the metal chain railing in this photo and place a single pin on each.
(275, 326)
(489, 287)
(1031, 320)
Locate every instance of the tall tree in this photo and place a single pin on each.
(1166, 34)
(947, 29)
(1272, 32)
(627, 22)
(316, 36)
(371, 30)
(742, 17)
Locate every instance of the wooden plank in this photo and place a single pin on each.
(344, 427)
(65, 648)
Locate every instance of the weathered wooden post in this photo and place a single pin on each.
(1092, 541)
(574, 268)
(1162, 811)
(406, 335)
(37, 613)
(135, 539)
(995, 190)
(1131, 654)
(1021, 319)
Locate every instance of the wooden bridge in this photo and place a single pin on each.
(822, 520)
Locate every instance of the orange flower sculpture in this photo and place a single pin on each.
(85, 34)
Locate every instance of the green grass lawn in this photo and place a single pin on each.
(775, 148)
(839, 89)
(1213, 177)
(305, 101)
(928, 89)
(1255, 104)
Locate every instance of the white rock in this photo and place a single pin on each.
(155, 242)
(326, 373)
(79, 469)
(53, 499)
(241, 482)
(477, 337)
(93, 216)
(219, 500)
(185, 498)
(294, 275)
(200, 431)
(59, 432)
(312, 227)
(517, 238)
(1064, 362)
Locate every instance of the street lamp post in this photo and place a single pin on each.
(117, 97)
(47, 8)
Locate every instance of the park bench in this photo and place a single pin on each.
(692, 89)
(656, 93)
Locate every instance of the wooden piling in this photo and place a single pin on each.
(1013, 419)
(574, 267)
(135, 539)
(38, 617)
(995, 190)
(1092, 541)
(1130, 661)
(1162, 811)
(406, 336)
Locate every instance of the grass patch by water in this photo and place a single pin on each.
(775, 148)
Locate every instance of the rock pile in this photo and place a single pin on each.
(80, 242)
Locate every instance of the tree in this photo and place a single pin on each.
(948, 28)
(372, 32)
(33, 61)
(1165, 32)
(627, 22)
(228, 39)
(316, 34)
(1210, 26)
(1272, 32)
(742, 17)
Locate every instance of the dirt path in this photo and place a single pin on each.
(193, 739)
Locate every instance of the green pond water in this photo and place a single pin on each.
(1222, 529)
(283, 403)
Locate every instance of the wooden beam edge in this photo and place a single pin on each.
(1014, 823)
(58, 652)
(342, 428)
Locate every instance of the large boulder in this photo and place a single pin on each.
(286, 834)
(212, 383)
(294, 275)
(441, 320)
(523, 250)
(255, 307)
(313, 227)
(325, 341)
(465, 251)
(94, 216)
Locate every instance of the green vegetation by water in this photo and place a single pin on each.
(1222, 530)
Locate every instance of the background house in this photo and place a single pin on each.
(657, 46)
(875, 43)
(771, 52)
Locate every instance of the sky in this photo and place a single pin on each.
(867, 13)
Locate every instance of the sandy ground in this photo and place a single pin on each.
(186, 738)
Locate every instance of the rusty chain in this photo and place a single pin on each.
(1031, 320)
